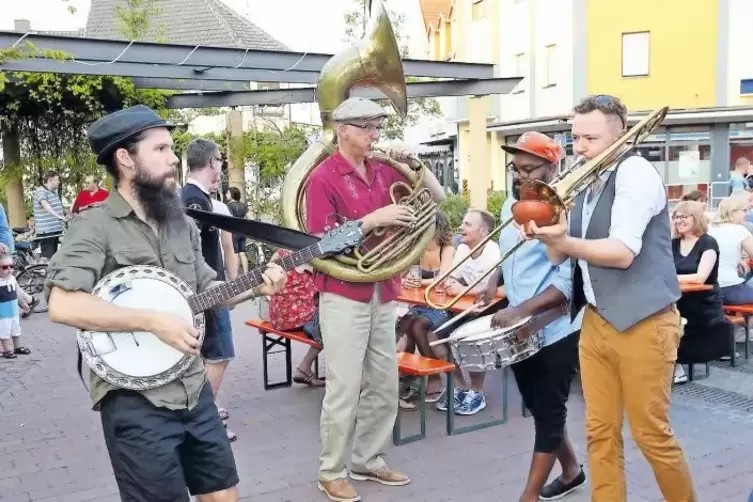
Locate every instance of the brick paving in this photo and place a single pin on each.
(51, 446)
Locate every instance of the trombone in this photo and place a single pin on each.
(558, 193)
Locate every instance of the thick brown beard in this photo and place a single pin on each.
(160, 202)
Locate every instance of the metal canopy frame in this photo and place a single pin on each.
(223, 76)
(277, 97)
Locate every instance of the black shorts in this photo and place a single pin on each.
(159, 455)
(544, 383)
(239, 243)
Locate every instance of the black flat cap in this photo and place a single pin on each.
(106, 133)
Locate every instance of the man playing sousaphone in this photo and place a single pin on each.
(623, 273)
(534, 287)
(358, 319)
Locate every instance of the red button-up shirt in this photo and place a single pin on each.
(336, 193)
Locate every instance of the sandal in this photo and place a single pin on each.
(405, 405)
(307, 378)
(433, 397)
(8, 354)
(231, 436)
(22, 350)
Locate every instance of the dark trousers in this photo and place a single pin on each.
(544, 382)
(48, 245)
(159, 455)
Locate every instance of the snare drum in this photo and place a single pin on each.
(487, 349)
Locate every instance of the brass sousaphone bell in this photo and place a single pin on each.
(372, 62)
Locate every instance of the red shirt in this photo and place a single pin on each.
(337, 193)
(85, 198)
(295, 304)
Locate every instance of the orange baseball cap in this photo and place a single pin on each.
(537, 144)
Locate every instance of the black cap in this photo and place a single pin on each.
(106, 133)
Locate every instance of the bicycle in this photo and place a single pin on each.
(29, 269)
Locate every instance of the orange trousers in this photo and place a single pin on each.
(631, 372)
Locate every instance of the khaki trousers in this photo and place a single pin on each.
(631, 371)
(361, 395)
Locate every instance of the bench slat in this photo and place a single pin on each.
(736, 319)
(739, 309)
(298, 336)
(416, 365)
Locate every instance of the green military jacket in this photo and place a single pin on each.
(108, 237)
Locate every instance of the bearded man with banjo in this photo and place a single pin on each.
(163, 433)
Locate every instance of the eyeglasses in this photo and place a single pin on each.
(610, 104)
(371, 129)
(681, 217)
(6, 267)
(524, 169)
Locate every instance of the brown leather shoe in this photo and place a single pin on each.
(384, 476)
(339, 490)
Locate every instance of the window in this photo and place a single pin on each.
(550, 65)
(635, 51)
(479, 9)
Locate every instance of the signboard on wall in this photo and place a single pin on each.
(688, 164)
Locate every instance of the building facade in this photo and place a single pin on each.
(690, 55)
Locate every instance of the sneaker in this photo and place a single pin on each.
(558, 488)
(339, 490)
(459, 396)
(472, 404)
(384, 476)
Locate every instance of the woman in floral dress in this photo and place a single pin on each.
(295, 309)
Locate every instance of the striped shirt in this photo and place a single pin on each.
(44, 222)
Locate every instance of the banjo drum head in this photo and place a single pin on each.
(139, 360)
(481, 328)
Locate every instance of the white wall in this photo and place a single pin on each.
(518, 35)
(740, 62)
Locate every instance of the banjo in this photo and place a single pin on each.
(139, 360)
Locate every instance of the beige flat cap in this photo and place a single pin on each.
(357, 108)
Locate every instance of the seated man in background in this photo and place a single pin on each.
(476, 226)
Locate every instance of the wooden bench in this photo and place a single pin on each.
(409, 364)
(274, 338)
(740, 312)
(422, 367)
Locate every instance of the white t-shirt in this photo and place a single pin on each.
(221, 208)
(730, 237)
(474, 268)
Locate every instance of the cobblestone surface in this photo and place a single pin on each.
(51, 446)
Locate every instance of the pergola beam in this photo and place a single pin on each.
(145, 70)
(105, 51)
(279, 97)
(191, 85)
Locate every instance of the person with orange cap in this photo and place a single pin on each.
(540, 291)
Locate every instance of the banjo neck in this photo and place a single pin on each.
(219, 294)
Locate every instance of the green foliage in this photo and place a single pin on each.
(455, 207)
(134, 20)
(394, 125)
(271, 152)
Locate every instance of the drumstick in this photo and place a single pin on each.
(453, 321)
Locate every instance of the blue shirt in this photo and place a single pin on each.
(528, 272)
(736, 182)
(6, 236)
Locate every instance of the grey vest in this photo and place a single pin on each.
(648, 285)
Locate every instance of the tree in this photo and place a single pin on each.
(355, 28)
(135, 20)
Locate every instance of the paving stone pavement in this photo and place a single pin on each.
(51, 446)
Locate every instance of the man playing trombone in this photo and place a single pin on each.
(619, 237)
(536, 288)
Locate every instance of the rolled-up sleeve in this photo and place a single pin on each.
(563, 279)
(639, 196)
(320, 205)
(205, 274)
(78, 264)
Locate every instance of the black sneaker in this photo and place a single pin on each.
(558, 489)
